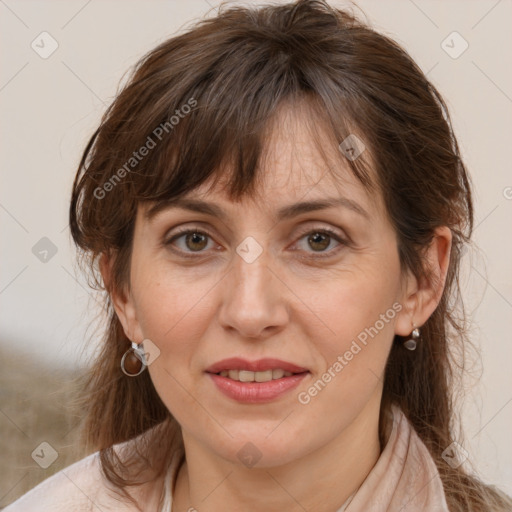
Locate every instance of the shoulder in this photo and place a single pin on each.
(73, 488)
(82, 487)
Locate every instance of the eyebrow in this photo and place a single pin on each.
(284, 213)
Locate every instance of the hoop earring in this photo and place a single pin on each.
(411, 343)
(133, 362)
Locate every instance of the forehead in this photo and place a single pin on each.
(300, 161)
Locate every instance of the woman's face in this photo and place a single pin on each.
(265, 281)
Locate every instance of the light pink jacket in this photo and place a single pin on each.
(404, 479)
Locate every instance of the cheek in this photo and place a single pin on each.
(354, 305)
(173, 312)
(359, 308)
(360, 316)
(170, 303)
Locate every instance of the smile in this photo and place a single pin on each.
(253, 382)
(262, 376)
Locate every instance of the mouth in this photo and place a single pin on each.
(251, 371)
(257, 381)
(262, 376)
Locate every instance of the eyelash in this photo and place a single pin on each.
(324, 231)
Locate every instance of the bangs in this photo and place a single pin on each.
(219, 124)
(236, 153)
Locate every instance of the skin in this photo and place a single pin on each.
(286, 304)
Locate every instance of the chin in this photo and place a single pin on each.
(259, 451)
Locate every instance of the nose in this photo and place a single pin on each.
(253, 299)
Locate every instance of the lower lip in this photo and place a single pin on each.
(256, 392)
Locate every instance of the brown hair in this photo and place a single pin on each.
(233, 71)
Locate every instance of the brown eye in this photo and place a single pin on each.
(319, 241)
(189, 241)
(196, 241)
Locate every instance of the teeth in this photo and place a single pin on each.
(263, 376)
(277, 373)
(248, 376)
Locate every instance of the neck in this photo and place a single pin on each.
(322, 480)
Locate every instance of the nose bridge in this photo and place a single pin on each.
(252, 300)
(250, 268)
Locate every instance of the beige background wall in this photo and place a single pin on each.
(50, 106)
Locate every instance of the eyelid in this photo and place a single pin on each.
(305, 227)
(342, 239)
(332, 231)
(183, 229)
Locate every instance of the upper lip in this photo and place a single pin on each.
(237, 363)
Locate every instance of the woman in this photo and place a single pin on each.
(277, 206)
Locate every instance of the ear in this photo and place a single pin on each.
(421, 296)
(122, 299)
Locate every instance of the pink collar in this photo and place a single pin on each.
(404, 478)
